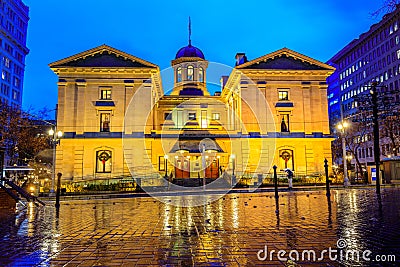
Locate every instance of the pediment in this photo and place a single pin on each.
(103, 56)
(285, 59)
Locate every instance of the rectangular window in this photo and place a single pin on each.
(284, 122)
(5, 76)
(5, 89)
(216, 116)
(283, 95)
(8, 48)
(15, 95)
(17, 82)
(204, 123)
(19, 57)
(17, 70)
(105, 122)
(179, 119)
(192, 116)
(161, 163)
(167, 116)
(103, 161)
(105, 93)
(7, 62)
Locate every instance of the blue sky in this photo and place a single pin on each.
(155, 30)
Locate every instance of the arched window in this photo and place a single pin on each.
(103, 161)
(201, 75)
(190, 73)
(179, 74)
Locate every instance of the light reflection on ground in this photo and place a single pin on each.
(227, 232)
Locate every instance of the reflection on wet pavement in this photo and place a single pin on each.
(227, 232)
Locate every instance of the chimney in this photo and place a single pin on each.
(223, 81)
(240, 58)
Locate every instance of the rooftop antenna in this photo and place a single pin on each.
(190, 31)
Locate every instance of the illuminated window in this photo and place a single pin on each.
(204, 121)
(216, 116)
(192, 116)
(15, 95)
(103, 161)
(7, 62)
(17, 82)
(5, 76)
(190, 73)
(285, 123)
(105, 122)
(201, 75)
(105, 93)
(179, 74)
(283, 95)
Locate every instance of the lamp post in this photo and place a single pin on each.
(55, 140)
(166, 165)
(342, 126)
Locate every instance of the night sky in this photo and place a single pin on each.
(155, 30)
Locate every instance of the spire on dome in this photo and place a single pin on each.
(190, 32)
(189, 50)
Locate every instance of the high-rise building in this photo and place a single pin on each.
(372, 57)
(13, 28)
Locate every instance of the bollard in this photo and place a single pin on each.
(276, 182)
(58, 190)
(328, 191)
(276, 191)
(233, 180)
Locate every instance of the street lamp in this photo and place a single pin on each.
(342, 126)
(55, 140)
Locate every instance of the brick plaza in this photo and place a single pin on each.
(227, 232)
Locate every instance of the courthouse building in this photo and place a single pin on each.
(118, 121)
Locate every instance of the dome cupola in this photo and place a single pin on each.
(189, 51)
(190, 70)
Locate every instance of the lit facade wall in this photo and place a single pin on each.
(117, 122)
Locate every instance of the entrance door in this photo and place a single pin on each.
(182, 168)
(212, 170)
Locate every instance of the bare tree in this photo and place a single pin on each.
(22, 137)
(390, 129)
(388, 6)
(357, 136)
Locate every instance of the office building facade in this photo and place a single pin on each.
(14, 17)
(373, 57)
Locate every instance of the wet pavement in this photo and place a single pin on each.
(235, 230)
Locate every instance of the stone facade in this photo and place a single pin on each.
(118, 122)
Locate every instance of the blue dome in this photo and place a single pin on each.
(189, 51)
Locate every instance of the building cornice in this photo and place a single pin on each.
(101, 49)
